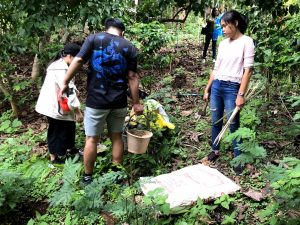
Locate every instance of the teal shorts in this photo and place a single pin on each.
(95, 119)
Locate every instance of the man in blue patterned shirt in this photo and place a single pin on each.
(112, 67)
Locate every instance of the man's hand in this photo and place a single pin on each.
(138, 109)
(240, 101)
(63, 89)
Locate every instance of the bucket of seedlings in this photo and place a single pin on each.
(137, 138)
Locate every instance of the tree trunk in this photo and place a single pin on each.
(7, 94)
(65, 37)
(36, 68)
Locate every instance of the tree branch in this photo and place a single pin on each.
(187, 10)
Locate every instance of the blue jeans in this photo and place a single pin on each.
(223, 96)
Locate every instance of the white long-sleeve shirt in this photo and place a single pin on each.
(47, 103)
(233, 57)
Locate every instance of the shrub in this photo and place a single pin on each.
(13, 190)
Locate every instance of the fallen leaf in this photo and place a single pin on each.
(285, 143)
(24, 113)
(186, 112)
(241, 209)
(255, 195)
(251, 168)
(205, 161)
(270, 144)
(194, 136)
(267, 190)
(294, 214)
(174, 98)
(43, 126)
(255, 175)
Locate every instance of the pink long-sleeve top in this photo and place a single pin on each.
(233, 57)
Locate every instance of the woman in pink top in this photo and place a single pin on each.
(230, 77)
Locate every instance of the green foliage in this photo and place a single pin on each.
(149, 38)
(249, 117)
(224, 201)
(251, 152)
(285, 179)
(282, 59)
(198, 214)
(13, 190)
(230, 219)
(46, 176)
(9, 125)
(157, 200)
(87, 200)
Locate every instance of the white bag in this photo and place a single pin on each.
(186, 185)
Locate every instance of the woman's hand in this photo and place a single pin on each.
(206, 96)
(240, 101)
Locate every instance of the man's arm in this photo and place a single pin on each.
(133, 81)
(73, 68)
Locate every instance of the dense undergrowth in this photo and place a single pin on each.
(270, 128)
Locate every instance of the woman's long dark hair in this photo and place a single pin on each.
(213, 12)
(232, 15)
(69, 49)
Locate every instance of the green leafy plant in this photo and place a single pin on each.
(157, 200)
(285, 179)
(229, 219)
(149, 37)
(198, 214)
(87, 200)
(251, 152)
(13, 190)
(224, 201)
(9, 125)
(249, 117)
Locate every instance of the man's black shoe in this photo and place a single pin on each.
(86, 180)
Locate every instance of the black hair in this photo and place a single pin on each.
(213, 12)
(232, 15)
(69, 49)
(114, 22)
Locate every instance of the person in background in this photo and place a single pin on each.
(230, 77)
(61, 116)
(213, 31)
(113, 65)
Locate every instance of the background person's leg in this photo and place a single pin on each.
(208, 37)
(214, 49)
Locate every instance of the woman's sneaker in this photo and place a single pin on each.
(59, 160)
(213, 156)
(238, 170)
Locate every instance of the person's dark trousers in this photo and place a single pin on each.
(60, 136)
(214, 48)
(208, 37)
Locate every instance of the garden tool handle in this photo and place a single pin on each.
(203, 111)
